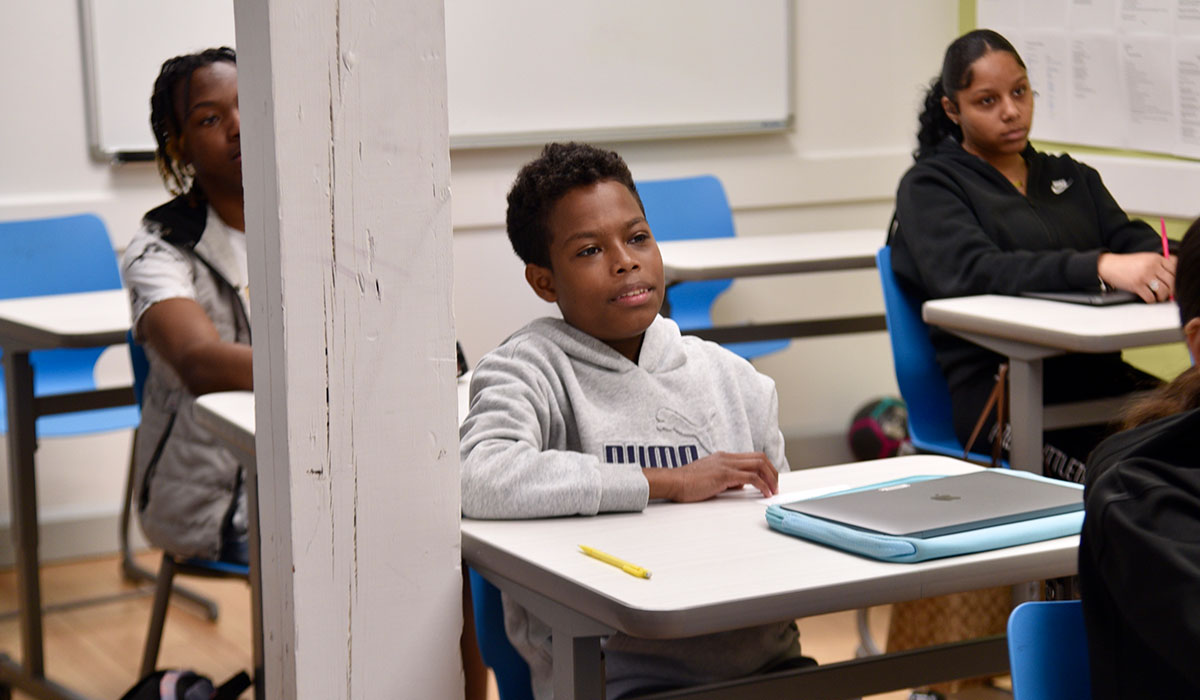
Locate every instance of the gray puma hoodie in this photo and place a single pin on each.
(561, 424)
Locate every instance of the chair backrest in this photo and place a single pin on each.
(60, 256)
(685, 208)
(56, 256)
(512, 673)
(696, 207)
(922, 384)
(1047, 651)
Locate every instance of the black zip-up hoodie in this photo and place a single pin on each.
(1139, 561)
(962, 228)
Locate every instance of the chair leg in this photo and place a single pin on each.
(866, 642)
(158, 616)
(129, 568)
(136, 573)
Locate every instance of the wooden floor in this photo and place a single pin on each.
(96, 650)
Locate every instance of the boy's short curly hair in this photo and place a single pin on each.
(543, 181)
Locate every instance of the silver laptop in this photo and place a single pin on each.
(947, 505)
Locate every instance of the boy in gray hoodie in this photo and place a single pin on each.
(610, 407)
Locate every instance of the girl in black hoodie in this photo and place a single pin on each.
(983, 212)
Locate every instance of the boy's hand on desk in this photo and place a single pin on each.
(709, 476)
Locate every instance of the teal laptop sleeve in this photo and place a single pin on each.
(914, 549)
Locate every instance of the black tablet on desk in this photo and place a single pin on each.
(945, 505)
(1116, 296)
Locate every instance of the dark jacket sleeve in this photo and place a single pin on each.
(1119, 233)
(954, 255)
(1143, 527)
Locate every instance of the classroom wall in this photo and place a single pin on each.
(859, 68)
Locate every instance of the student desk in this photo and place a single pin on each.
(717, 566)
(229, 415)
(83, 320)
(779, 254)
(1029, 330)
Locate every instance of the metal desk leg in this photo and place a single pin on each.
(29, 675)
(256, 623)
(1025, 412)
(1025, 397)
(578, 668)
(578, 662)
(22, 441)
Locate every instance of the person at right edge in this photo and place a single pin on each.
(983, 212)
(1139, 553)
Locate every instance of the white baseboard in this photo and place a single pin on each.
(74, 538)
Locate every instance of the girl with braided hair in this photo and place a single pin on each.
(186, 274)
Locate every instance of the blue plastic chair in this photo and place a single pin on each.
(922, 384)
(512, 673)
(61, 256)
(1047, 651)
(171, 565)
(696, 207)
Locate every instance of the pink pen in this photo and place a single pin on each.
(1162, 226)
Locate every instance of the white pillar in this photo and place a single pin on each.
(346, 169)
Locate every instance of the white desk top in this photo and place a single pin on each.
(716, 565)
(748, 256)
(230, 414)
(1069, 327)
(89, 319)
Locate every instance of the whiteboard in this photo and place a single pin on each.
(1111, 73)
(518, 72)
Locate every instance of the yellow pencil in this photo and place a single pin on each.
(631, 569)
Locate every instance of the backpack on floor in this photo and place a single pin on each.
(186, 685)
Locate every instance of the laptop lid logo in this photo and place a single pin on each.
(944, 497)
